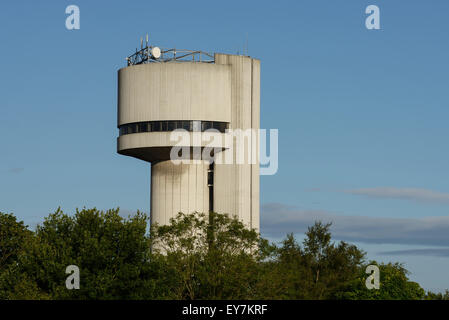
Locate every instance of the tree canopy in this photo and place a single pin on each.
(195, 256)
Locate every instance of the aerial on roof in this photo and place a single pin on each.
(148, 54)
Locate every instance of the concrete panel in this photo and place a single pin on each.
(152, 146)
(170, 184)
(239, 183)
(255, 123)
(174, 91)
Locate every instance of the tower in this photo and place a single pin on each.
(162, 90)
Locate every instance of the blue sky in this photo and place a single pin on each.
(362, 114)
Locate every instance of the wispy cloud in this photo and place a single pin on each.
(312, 189)
(16, 170)
(443, 252)
(414, 194)
(278, 219)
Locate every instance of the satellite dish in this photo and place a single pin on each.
(156, 52)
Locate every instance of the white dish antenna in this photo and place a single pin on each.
(156, 52)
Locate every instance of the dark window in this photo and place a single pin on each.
(210, 184)
(171, 125)
(186, 125)
(139, 127)
(211, 198)
(132, 128)
(220, 126)
(144, 127)
(156, 126)
(166, 126)
(206, 125)
(210, 178)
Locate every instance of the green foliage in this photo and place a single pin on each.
(394, 285)
(110, 251)
(213, 256)
(13, 234)
(437, 296)
(319, 269)
(14, 237)
(196, 256)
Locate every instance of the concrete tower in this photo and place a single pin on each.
(163, 90)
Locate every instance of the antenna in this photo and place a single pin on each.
(141, 43)
(152, 53)
(156, 52)
(147, 40)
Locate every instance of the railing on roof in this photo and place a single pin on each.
(150, 54)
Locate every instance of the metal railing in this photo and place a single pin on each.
(144, 55)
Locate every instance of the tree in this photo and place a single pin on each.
(13, 233)
(286, 276)
(317, 270)
(14, 237)
(437, 296)
(196, 256)
(394, 285)
(214, 256)
(110, 251)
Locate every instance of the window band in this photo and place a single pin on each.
(167, 126)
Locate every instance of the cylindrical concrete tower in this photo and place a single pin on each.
(162, 92)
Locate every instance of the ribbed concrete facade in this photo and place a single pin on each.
(237, 187)
(226, 92)
(174, 91)
(178, 188)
